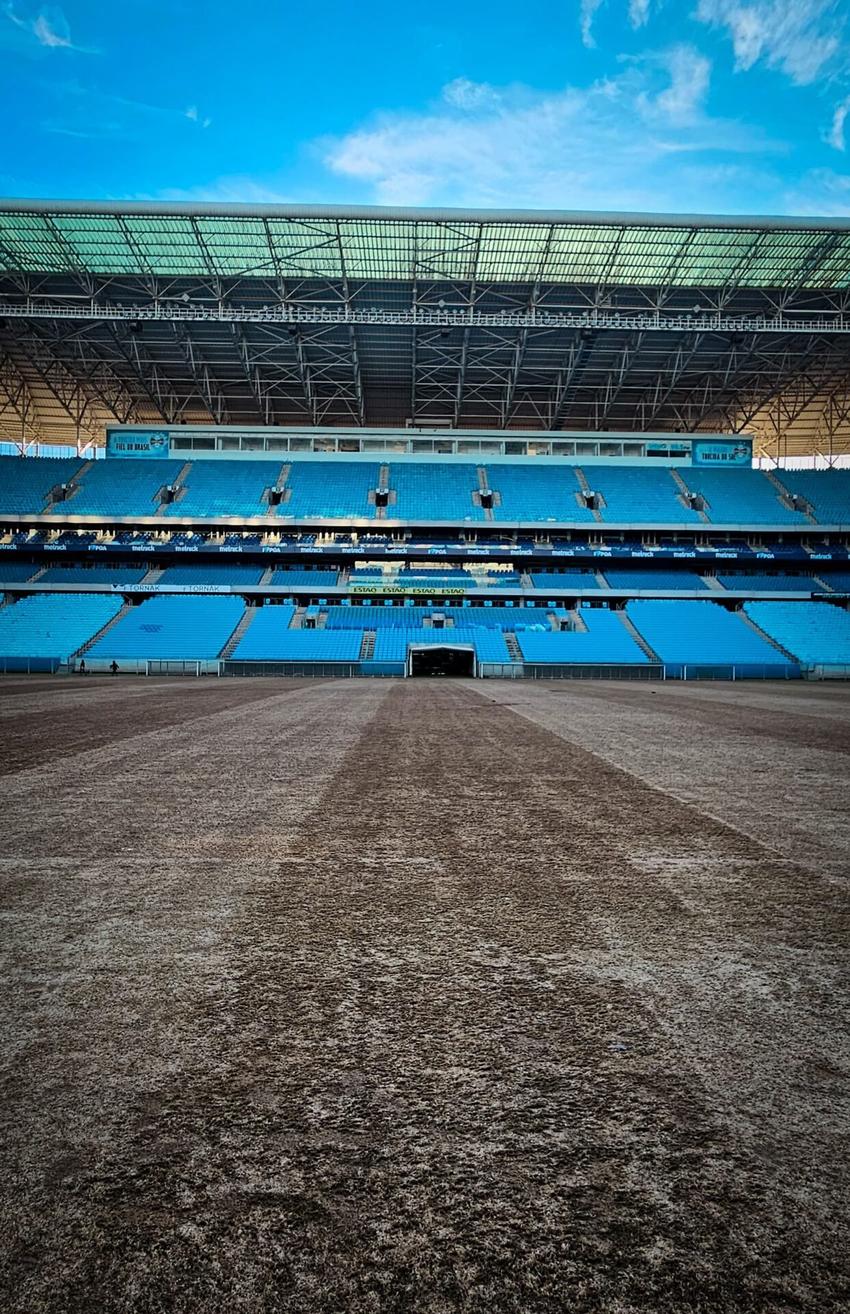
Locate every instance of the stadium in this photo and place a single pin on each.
(423, 646)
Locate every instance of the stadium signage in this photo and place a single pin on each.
(138, 443)
(443, 589)
(738, 452)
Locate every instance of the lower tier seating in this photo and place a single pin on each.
(686, 580)
(81, 576)
(817, 633)
(227, 575)
(489, 645)
(566, 579)
(172, 628)
(53, 625)
(268, 639)
(771, 583)
(700, 634)
(606, 640)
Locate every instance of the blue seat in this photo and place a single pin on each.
(172, 627)
(54, 625)
(817, 633)
(696, 633)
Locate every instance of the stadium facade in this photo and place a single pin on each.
(399, 443)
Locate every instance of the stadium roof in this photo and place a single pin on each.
(284, 314)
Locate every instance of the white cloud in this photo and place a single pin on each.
(614, 144)
(194, 117)
(47, 24)
(467, 95)
(638, 13)
(835, 136)
(587, 13)
(689, 73)
(801, 38)
(819, 192)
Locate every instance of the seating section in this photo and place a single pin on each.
(434, 492)
(25, 482)
(541, 493)
(489, 645)
(53, 625)
(199, 573)
(330, 490)
(83, 575)
(226, 488)
(605, 641)
(622, 578)
(305, 579)
(770, 583)
(838, 581)
(268, 639)
(172, 628)
(817, 633)
(738, 497)
(579, 580)
(639, 496)
(120, 488)
(407, 618)
(15, 572)
(700, 634)
(826, 491)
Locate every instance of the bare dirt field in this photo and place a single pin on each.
(423, 996)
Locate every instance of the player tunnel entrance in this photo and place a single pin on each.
(435, 659)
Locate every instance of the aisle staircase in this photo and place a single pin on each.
(638, 637)
(367, 646)
(244, 621)
(104, 629)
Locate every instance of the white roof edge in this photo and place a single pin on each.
(212, 209)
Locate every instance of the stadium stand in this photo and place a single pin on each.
(639, 496)
(304, 579)
(700, 634)
(203, 573)
(226, 488)
(621, 577)
(489, 645)
(171, 628)
(25, 484)
(87, 575)
(537, 493)
(753, 583)
(53, 625)
(838, 581)
(566, 579)
(434, 492)
(268, 639)
(740, 497)
(330, 490)
(120, 488)
(15, 572)
(817, 633)
(826, 491)
(606, 640)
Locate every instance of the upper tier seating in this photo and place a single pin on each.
(566, 579)
(200, 573)
(330, 489)
(268, 639)
(226, 488)
(770, 583)
(531, 492)
(740, 497)
(434, 492)
(639, 495)
(53, 625)
(817, 633)
(827, 491)
(26, 481)
(305, 579)
(15, 572)
(120, 488)
(838, 580)
(623, 578)
(489, 645)
(172, 628)
(606, 641)
(83, 575)
(692, 633)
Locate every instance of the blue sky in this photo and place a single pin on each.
(707, 105)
